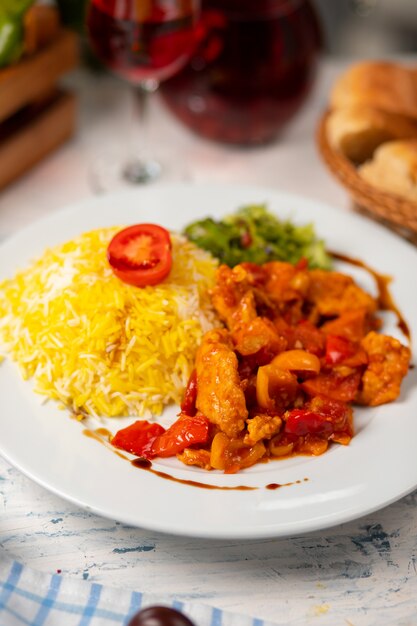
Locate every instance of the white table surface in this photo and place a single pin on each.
(357, 574)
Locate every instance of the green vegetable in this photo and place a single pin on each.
(255, 235)
(11, 29)
(15, 8)
(11, 40)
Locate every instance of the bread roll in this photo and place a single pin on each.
(358, 131)
(393, 168)
(384, 86)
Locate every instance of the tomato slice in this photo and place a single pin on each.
(140, 255)
(138, 438)
(186, 431)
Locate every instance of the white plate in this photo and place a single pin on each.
(378, 467)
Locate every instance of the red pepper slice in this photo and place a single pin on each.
(320, 416)
(246, 239)
(185, 432)
(302, 422)
(190, 396)
(302, 264)
(138, 438)
(338, 349)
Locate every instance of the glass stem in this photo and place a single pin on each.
(141, 111)
(140, 167)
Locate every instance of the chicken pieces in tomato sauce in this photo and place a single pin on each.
(297, 349)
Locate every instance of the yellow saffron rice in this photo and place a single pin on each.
(98, 345)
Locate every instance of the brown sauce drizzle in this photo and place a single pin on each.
(278, 485)
(147, 465)
(103, 436)
(385, 299)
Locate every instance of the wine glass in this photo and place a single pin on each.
(144, 42)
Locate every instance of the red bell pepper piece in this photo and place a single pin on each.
(186, 431)
(320, 416)
(138, 438)
(338, 349)
(302, 422)
(302, 264)
(190, 396)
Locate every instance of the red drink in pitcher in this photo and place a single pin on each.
(251, 71)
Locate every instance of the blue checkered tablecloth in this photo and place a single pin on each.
(31, 598)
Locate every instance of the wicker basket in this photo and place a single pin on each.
(390, 209)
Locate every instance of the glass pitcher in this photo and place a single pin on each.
(251, 71)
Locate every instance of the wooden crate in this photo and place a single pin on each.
(34, 133)
(35, 116)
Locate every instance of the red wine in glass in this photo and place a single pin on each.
(251, 71)
(154, 41)
(144, 42)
